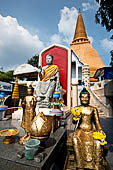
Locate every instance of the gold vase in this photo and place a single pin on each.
(41, 127)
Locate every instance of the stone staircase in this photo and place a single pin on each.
(94, 103)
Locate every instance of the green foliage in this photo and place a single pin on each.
(111, 63)
(104, 16)
(6, 76)
(34, 61)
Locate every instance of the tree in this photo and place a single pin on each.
(7, 76)
(104, 16)
(34, 61)
(111, 63)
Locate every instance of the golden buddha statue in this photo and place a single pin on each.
(88, 149)
(28, 104)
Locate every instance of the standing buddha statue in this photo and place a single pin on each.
(28, 104)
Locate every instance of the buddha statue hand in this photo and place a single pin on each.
(101, 131)
(101, 136)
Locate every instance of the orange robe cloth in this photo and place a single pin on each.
(50, 71)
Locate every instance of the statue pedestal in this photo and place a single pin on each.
(54, 150)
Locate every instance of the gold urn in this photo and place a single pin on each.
(41, 127)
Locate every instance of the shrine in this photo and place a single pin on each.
(56, 122)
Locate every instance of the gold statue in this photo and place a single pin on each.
(28, 104)
(88, 137)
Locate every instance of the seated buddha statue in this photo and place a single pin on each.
(88, 149)
(49, 80)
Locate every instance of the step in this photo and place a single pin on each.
(94, 103)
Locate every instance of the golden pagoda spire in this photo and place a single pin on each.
(82, 47)
(15, 94)
(80, 31)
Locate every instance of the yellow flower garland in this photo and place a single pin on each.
(103, 143)
(76, 113)
(100, 136)
(74, 118)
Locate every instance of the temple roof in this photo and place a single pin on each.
(26, 70)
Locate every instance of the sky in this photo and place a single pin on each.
(28, 26)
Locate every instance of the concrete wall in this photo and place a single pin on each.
(104, 90)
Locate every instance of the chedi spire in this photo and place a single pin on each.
(83, 48)
(80, 31)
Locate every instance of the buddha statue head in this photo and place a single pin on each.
(30, 91)
(84, 97)
(49, 59)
